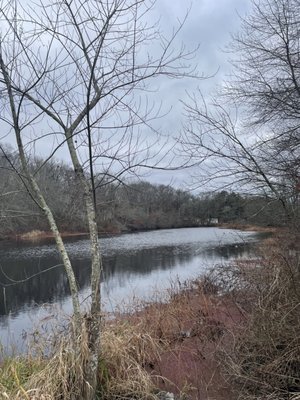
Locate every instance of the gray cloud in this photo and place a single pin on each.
(209, 24)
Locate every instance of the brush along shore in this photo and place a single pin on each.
(165, 349)
(234, 334)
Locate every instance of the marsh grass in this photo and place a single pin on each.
(263, 360)
(132, 345)
(32, 235)
(14, 375)
(125, 351)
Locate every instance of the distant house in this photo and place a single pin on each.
(214, 221)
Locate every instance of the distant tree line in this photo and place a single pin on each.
(126, 207)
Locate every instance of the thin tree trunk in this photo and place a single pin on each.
(61, 248)
(38, 197)
(93, 321)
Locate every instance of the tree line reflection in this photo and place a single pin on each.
(27, 282)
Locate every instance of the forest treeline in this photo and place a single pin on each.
(127, 207)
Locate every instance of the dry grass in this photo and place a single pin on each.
(15, 373)
(53, 377)
(249, 227)
(160, 348)
(245, 317)
(191, 324)
(122, 375)
(126, 351)
(263, 361)
(32, 235)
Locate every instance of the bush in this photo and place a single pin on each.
(264, 360)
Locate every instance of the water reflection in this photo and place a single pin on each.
(133, 261)
(49, 282)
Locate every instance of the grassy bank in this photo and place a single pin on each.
(234, 334)
(164, 347)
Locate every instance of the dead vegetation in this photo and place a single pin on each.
(60, 376)
(192, 325)
(234, 334)
(32, 235)
(262, 360)
(165, 347)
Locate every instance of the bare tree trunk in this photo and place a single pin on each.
(58, 240)
(41, 202)
(93, 320)
(79, 74)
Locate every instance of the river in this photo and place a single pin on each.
(33, 285)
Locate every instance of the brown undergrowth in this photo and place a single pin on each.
(60, 375)
(234, 334)
(262, 361)
(193, 325)
(37, 235)
(250, 227)
(165, 347)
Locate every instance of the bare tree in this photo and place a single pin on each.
(266, 56)
(249, 135)
(73, 69)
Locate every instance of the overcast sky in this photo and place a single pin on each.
(209, 24)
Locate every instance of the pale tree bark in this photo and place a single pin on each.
(93, 322)
(38, 197)
(80, 68)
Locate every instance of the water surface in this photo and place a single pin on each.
(33, 281)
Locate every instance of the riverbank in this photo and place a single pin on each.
(193, 326)
(250, 227)
(209, 340)
(36, 235)
(163, 347)
(234, 333)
